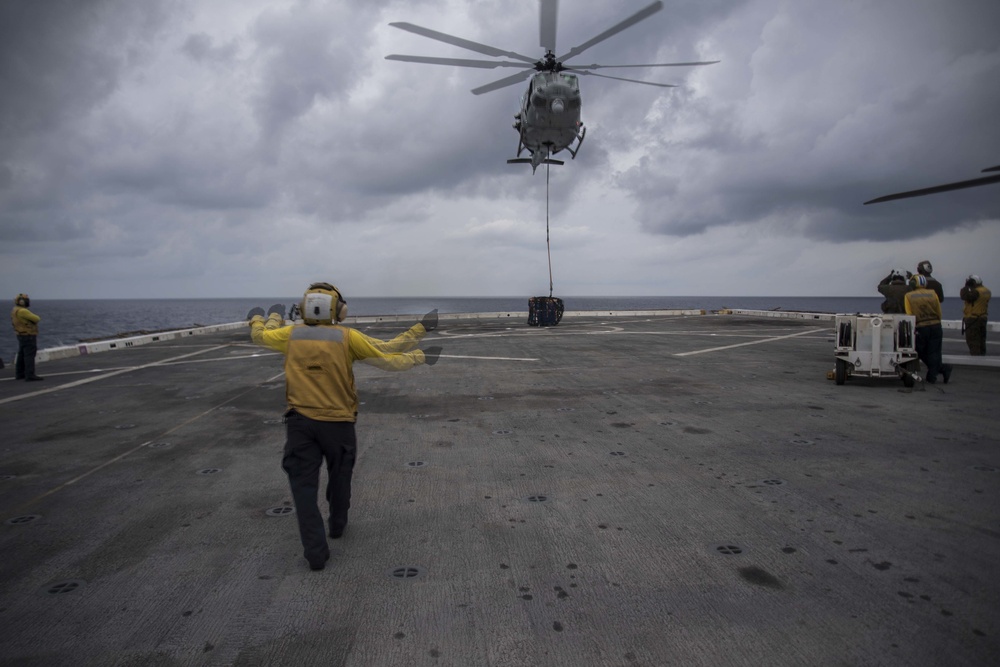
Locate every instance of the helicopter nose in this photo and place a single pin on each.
(558, 106)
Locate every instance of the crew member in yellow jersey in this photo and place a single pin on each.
(975, 310)
(922, 302)
(25, 325)
(323, 402)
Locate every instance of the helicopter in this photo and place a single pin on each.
(947, 187)
(549, 117)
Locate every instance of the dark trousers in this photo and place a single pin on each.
(928, 344)
(308, 443)
(24, 365)
(975, 335)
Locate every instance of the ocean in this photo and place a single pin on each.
(67, 322)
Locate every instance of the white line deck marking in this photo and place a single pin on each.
(95, 378)
(462, 356)
(752, 342)
(138, 447)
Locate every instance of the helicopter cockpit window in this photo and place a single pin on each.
(571, 80)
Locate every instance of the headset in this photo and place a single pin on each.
(323, 304)
(22, 300)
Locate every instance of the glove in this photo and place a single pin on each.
(278, 308)
(431, 355)
(276, 316)
(255, 312)
(430, 321)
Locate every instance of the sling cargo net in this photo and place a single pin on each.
(544, 311)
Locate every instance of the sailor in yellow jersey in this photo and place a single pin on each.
(25, 325)
(975, 311)
(323, 402)
(922, 302)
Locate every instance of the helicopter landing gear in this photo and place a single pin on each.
(579, 141)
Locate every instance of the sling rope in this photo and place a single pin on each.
(548, 246)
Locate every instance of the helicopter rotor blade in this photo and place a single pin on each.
(548, 10)
(613, 30)
(996, 168)
(457, 62)
(947, 187)
(618, 78)
(691, 64)
(502, 83)
(462, 43)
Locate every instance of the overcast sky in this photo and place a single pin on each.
(245, 148)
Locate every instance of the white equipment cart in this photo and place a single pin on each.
(876, 346)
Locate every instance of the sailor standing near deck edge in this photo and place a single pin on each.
(25, 325)
(975, 311)
(323, 402)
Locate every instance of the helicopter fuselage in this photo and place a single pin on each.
(549, 119)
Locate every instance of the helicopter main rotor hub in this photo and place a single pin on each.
(549, 63)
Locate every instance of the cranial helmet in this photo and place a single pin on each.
(924, 268)
(322, 304)
(22, 300)
(975, 280)
(919, 281)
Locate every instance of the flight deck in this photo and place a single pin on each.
(650, 489)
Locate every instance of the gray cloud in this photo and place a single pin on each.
(158, 146)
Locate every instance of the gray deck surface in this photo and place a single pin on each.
(635, 491)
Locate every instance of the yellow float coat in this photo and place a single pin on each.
(319, 360)
(979, 307)
(923, 304)
(25, 322)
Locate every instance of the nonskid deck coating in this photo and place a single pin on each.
(646, 491)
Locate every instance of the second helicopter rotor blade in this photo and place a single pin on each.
(613, 30)
(502, 83)
(691, 64)
(618, 78)
(457, 62)
(548, 11)
(947, 187)
(485, 49)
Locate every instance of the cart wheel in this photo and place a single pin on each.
(840, 374)
(907, 380)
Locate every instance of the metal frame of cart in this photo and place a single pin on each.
(876, 346)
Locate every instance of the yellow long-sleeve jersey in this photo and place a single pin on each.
(25, 322)
(319, 363)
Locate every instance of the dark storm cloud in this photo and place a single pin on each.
(154, 146)
(59, 61)
(835, 114)
(59, 58)
(307, 56)
(201, 47)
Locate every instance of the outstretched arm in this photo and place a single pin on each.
(271, 332)
(404, 342)
(369, 350)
